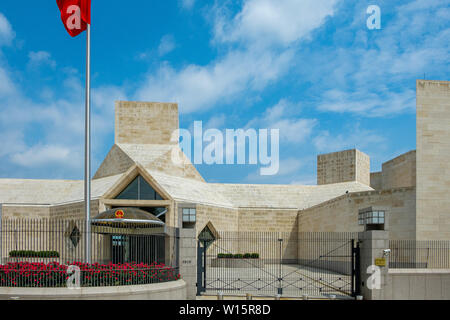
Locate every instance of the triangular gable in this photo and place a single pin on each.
(130, 176)
(139, 189)
(116, 162)
(208, 232)
(159, 158)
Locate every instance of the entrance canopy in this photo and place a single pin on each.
(127, 221)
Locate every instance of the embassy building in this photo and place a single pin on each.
(409, 197)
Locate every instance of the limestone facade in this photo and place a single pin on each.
(144, 146)
(343, 166)
(146, 122)
(396, 173)
(341, 214)
(433, 165)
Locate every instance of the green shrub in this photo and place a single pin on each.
(254, 255)
(247, 256)
(33, 254)
(238, 256)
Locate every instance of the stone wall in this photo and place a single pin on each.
(73, 210)
(145, 122)
(433, 165)
(417, 284)
(343, 166)
(223, 219)
(25, 211)
(396, 173)
(341, 214)
(376, 180)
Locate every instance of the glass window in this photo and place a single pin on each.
(371, 217)
(189, 215)
(139, 189)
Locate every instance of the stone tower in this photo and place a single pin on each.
(343, 166)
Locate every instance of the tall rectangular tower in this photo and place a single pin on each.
(145, 122)
(433, 160)
(343, 166)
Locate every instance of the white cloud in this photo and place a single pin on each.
(187, 4)
(201, 87)
(280, 22)
(369, 104)
(292, 171)
(243, 67)
(166, 45)
(7, 87)
(215, 122)
(58, 148)
(284, 116)
(7, 33)
(38, 156)
(39, 58)
(372, 73)
(352, 138)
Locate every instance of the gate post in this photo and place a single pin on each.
(374, 278)
(280, 274)
(204, 265)
(200, 269)
(188, 260)
(356, 269)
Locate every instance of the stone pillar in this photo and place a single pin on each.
(372, 246)
(188, 261)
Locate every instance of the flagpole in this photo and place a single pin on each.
(87, 160)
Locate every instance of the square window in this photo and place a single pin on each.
(189, 215)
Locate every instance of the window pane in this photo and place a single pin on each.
(130, 192)
(139, 189)
(147, 192)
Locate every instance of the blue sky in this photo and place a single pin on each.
(308, 67)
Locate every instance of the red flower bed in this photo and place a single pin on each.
(25, 274)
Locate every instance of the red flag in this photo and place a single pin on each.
(75, 15)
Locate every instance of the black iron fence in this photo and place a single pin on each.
(48, 252)
(268, 263)
(419, 254)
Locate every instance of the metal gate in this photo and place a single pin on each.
(290, 264)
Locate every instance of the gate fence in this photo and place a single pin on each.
(419, 254)
(38, 253)
(268, 263)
